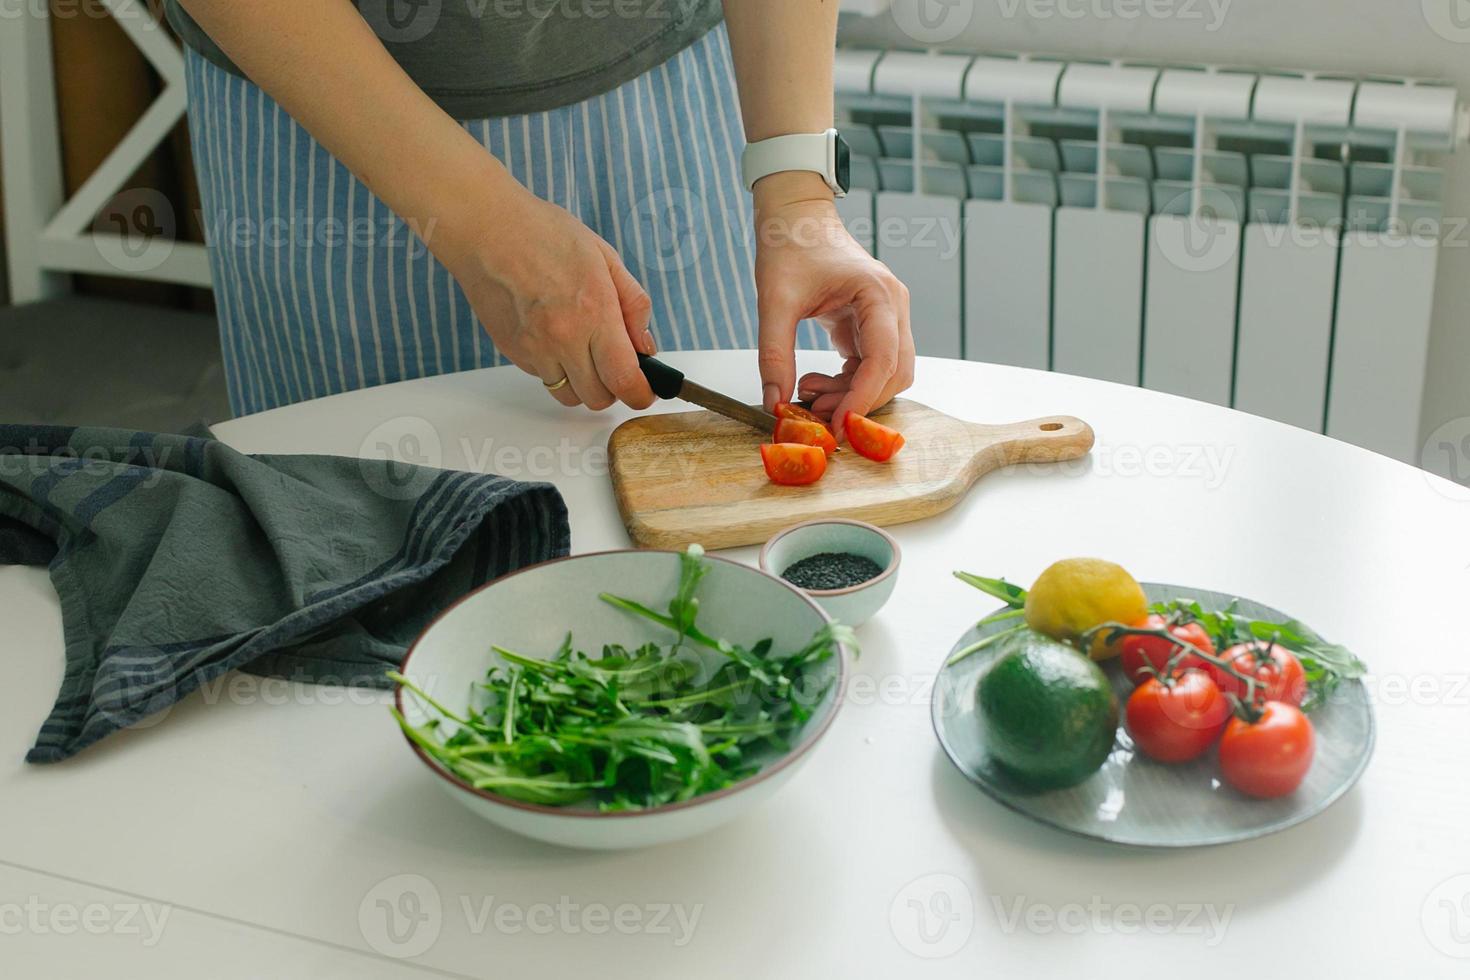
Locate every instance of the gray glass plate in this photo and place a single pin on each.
(1134, 800)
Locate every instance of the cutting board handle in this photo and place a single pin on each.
(1051, 439)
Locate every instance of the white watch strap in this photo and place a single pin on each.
(802, 151)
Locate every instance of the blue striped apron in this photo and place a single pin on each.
(320, 288)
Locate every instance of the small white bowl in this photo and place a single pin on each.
(856, 604)
(530, 611)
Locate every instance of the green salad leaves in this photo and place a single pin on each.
(630, 729)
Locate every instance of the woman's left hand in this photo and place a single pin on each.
(808, 266)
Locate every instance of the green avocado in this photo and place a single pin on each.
(1048, 714)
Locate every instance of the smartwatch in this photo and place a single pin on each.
(823, 153)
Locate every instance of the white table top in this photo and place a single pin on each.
(261, 824)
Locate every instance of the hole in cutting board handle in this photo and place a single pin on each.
(1052, 427)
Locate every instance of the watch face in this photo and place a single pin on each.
(843, 160)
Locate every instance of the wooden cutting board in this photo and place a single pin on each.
(697, 477)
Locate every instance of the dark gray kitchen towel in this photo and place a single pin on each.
(178, 559)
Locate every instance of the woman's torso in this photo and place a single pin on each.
(480, 59)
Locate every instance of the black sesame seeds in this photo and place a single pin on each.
(831, 570)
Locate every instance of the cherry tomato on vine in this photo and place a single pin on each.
(1176, 719)
(1143, 655)
(1268, 757)
(1276, 669)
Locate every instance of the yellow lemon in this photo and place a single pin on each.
(1077, 594)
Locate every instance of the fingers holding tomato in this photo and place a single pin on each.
(787, 460)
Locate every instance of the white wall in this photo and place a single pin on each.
(1419, 38)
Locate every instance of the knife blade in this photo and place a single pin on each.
(668, 382)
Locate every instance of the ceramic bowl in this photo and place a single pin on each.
(530, 611)
(854, 605)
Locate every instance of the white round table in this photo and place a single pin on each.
(265, 829)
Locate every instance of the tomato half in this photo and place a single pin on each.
(1177, 720)
(1143, 655)
(806, 433)
(789, 410)
(872, 439)
(1269, 757)
(793, 465)
(1278, 672)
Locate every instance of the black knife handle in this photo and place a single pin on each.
(665, 381)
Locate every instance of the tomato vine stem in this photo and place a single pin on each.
(1117, 630)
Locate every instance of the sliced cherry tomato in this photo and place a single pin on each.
(1177, 719)
(789, 410)
(1270, 756)
(1276, 668)
(806, 433)
(793, 465)
(872, 439)
(1144, 655)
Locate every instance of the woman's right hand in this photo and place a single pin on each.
(557, 300)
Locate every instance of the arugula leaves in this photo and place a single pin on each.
(1012, 595)
(629, 729)
(1326, 665)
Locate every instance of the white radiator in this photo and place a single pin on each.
(1267, 241)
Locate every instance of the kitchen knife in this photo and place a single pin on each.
(668, 382)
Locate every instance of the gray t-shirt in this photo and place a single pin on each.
(483, 58)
